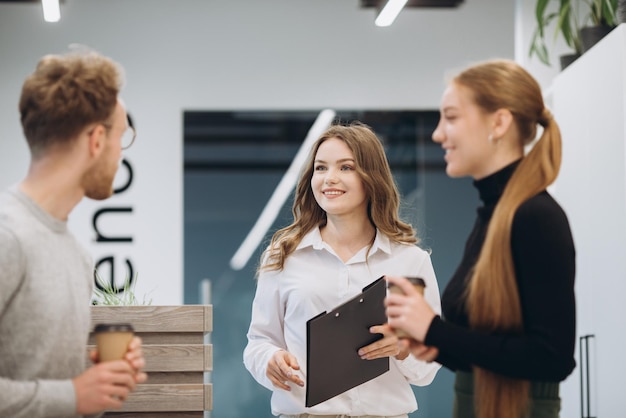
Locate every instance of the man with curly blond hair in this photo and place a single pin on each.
(73, 121)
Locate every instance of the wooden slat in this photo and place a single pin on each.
(181, 318)
(163, 398)
(164, 338)
(175, 377)
(208, 397)
(154, 414)
(208, 357)
(171, 337)
(208, 318)
(174, 357)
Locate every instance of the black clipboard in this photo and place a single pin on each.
(333, 340)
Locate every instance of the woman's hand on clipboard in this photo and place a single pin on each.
(385, 347)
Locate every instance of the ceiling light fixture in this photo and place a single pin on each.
(389, 12)
(51, 10)
(281, 193)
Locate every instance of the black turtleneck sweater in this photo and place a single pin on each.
(544, 258)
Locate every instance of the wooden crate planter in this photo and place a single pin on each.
(177, 358)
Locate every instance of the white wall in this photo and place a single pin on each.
(589, 100)
(224, 54)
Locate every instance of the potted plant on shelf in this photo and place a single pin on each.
(603, 18)
(579, 30)
(567, 27)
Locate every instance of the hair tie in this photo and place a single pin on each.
(545, 118)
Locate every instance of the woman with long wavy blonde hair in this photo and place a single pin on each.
(346, 233)
(509, 310)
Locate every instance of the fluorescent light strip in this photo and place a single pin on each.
(389, 13)
(51, 10)
(281, 193)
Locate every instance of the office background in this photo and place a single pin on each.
(190, 55)
(272, 56)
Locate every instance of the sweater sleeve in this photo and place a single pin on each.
(12, 268)
(544, 258)
(25, 398)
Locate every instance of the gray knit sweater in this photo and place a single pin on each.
(45, 288)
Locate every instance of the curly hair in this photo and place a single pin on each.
(64, 95)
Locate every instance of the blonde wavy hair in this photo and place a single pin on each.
(493, 297)
(372, 167)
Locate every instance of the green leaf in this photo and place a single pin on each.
(540, 10)
(609, 8)
(564, 26)
(542, 54)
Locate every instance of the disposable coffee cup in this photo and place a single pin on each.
(419, 284)
(112, 340)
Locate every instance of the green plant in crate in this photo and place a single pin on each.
(104, 293)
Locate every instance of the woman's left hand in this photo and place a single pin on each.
(385, 347)
(409, 311)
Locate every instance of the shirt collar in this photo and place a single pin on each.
(381, 242)
(314, 239)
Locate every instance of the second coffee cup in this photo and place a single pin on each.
(419, 284)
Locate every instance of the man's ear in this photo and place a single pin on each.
(96, 140)
(502, 122)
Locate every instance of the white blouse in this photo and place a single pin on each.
(314, 280)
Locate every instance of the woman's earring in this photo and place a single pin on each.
(490, 138)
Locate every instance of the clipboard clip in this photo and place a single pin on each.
(361, 300)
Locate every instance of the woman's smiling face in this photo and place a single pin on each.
(336, 185)
(463, 131)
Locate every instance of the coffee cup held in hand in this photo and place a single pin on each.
(112, 340)
(419, 284)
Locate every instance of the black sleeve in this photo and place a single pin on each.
(445, 358)
(544, 258)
